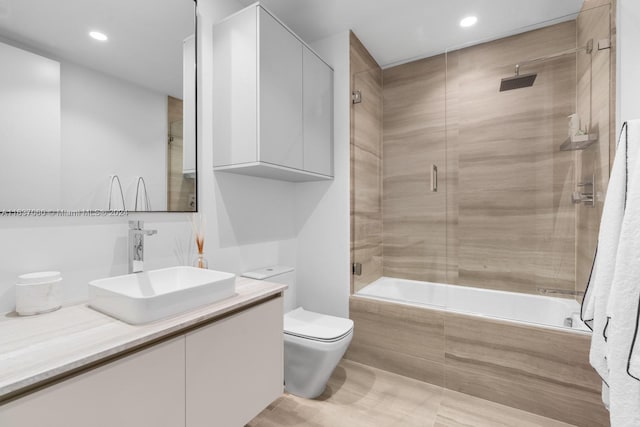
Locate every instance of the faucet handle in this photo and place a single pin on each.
(136, 225)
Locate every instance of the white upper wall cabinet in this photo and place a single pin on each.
(272, 96)
(189, 108)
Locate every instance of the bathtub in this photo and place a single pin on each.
(537, 310)
(510, 348)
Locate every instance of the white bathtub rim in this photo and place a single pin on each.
(484, 290)
(443, 308)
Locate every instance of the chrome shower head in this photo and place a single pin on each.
(526, 80)
(518, 81)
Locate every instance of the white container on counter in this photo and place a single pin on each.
(38, 293)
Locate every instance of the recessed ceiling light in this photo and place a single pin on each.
(468, 21)
(99, 36)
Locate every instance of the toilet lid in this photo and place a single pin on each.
(316, 326)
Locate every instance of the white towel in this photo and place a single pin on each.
(633, 367)
(622, 309)
(633, 364)
(594, 304)
(614, 284)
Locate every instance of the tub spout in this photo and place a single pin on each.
(552, 291)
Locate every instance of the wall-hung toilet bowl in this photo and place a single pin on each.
(313, 345)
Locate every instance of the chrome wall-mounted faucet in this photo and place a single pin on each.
(587, 195)
(136, 245)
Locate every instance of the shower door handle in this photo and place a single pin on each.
(434, 179)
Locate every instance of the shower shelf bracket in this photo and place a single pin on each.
(579, 142)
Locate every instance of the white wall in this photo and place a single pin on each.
(322, 208)
(68, 128)
(110, 126)
(250, 221)
(82, 249)
(29, 130)
(628, 61)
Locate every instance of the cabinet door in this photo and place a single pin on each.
(235, 89)
(318, 114)
(145, 389)
(235, 367)
(280, 94)
(189, 106)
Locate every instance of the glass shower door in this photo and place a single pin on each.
(366, 178)
(415, 181)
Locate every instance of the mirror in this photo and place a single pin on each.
(97, 105)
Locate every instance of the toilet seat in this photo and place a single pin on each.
(315, 326)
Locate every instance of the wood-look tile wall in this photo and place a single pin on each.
(503, 217)
(593, 100)
(543, 370)
(398, 338)
(539, 370)
(366, 165)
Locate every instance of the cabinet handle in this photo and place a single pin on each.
(434, 179)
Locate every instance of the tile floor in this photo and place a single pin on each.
(361, 396)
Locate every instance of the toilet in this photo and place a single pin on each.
(314, 343)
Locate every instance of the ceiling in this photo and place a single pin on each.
(145, 36)
(395, 31)
(145, 44)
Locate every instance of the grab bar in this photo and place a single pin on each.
(559, 291)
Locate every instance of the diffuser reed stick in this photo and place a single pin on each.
(198, 225)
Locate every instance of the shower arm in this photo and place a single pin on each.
(588, 48)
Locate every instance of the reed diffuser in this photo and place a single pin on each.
(198, 226)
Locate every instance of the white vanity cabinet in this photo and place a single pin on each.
(235, 367)
(222, 373)
(144, 389)
(273, 101)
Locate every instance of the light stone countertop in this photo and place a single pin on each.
(38, 348)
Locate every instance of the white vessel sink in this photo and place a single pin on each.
(155, 294)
